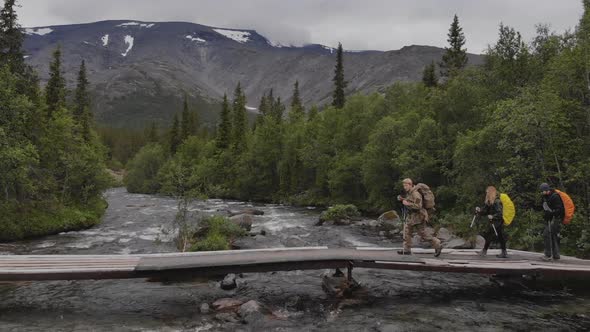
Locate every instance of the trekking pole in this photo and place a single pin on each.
(494, 227)
(549, 224)
(473, 220)
(404, 217)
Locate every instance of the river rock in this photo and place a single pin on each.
(204, 308)
(295, 241)
(229, 282)
(252, 212)
(479, 242)
(251, 311)
(227, 317)
(227, 304)
(444, 234)
(243, 220)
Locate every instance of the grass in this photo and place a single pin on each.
(220, 232)
(21, 221)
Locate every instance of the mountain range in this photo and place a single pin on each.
(140, 71)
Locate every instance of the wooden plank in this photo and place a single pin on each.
(38, 267)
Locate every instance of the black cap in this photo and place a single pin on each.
(544, 187)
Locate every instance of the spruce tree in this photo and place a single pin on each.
(338, 98)
(297, 111)
(239, 119)
(278, 109)
(429, 77)
(55, 91)
(175, 135)
(82, 98)
(455, 57)
(152, 134)
(11, 39)
(262, 110)
(224, 130)
(185, 123)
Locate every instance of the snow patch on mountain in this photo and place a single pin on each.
(277, 44)
(105, 40)
(329, 48)
(141, 25)
(38, 31)
(250, 108)
(239, 36)
(195, 39)
(129, 41)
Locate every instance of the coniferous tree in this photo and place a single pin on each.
(224, 130)
(185, 123)
(455, 57)
(278, 109)
(11, 39)
(152, 134)
(338, 98)
(55, 91)
(429, 77)
(297, 111)
(82, 99)
(313, 113)
(175, 135)
(239, 119)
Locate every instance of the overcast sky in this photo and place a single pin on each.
(358, 24)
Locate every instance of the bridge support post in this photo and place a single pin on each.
(349, 268)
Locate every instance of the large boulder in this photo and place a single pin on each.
(251, 311)
(229, 282)
(444, 234)
(243, 220)
(479, 242)
(390, 221)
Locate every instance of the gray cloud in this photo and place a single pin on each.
(358, 24)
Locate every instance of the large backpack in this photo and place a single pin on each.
(427, 198)
(568, 207)
(508, 209)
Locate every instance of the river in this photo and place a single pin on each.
(388, 300)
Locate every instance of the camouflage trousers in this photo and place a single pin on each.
(417, 222)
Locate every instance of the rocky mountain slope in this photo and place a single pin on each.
(140, 70)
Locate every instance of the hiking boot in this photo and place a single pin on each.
(556, 257)
(483, 252)
(546, 258)
(438, 251)
(504, 254)
(404, 252)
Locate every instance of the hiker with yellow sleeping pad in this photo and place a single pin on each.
(493, 212)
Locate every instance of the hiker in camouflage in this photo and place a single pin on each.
(417, 219)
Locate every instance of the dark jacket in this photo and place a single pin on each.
(555, 204)
(496, 210)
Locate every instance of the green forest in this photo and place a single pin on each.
(521, 118)
(52, 162)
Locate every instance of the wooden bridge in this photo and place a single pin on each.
(203, 264)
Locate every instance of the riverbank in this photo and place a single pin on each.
(30, 220)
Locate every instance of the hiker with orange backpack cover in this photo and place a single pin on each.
(554, 216)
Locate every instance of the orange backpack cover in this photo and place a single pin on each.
(568, 206)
